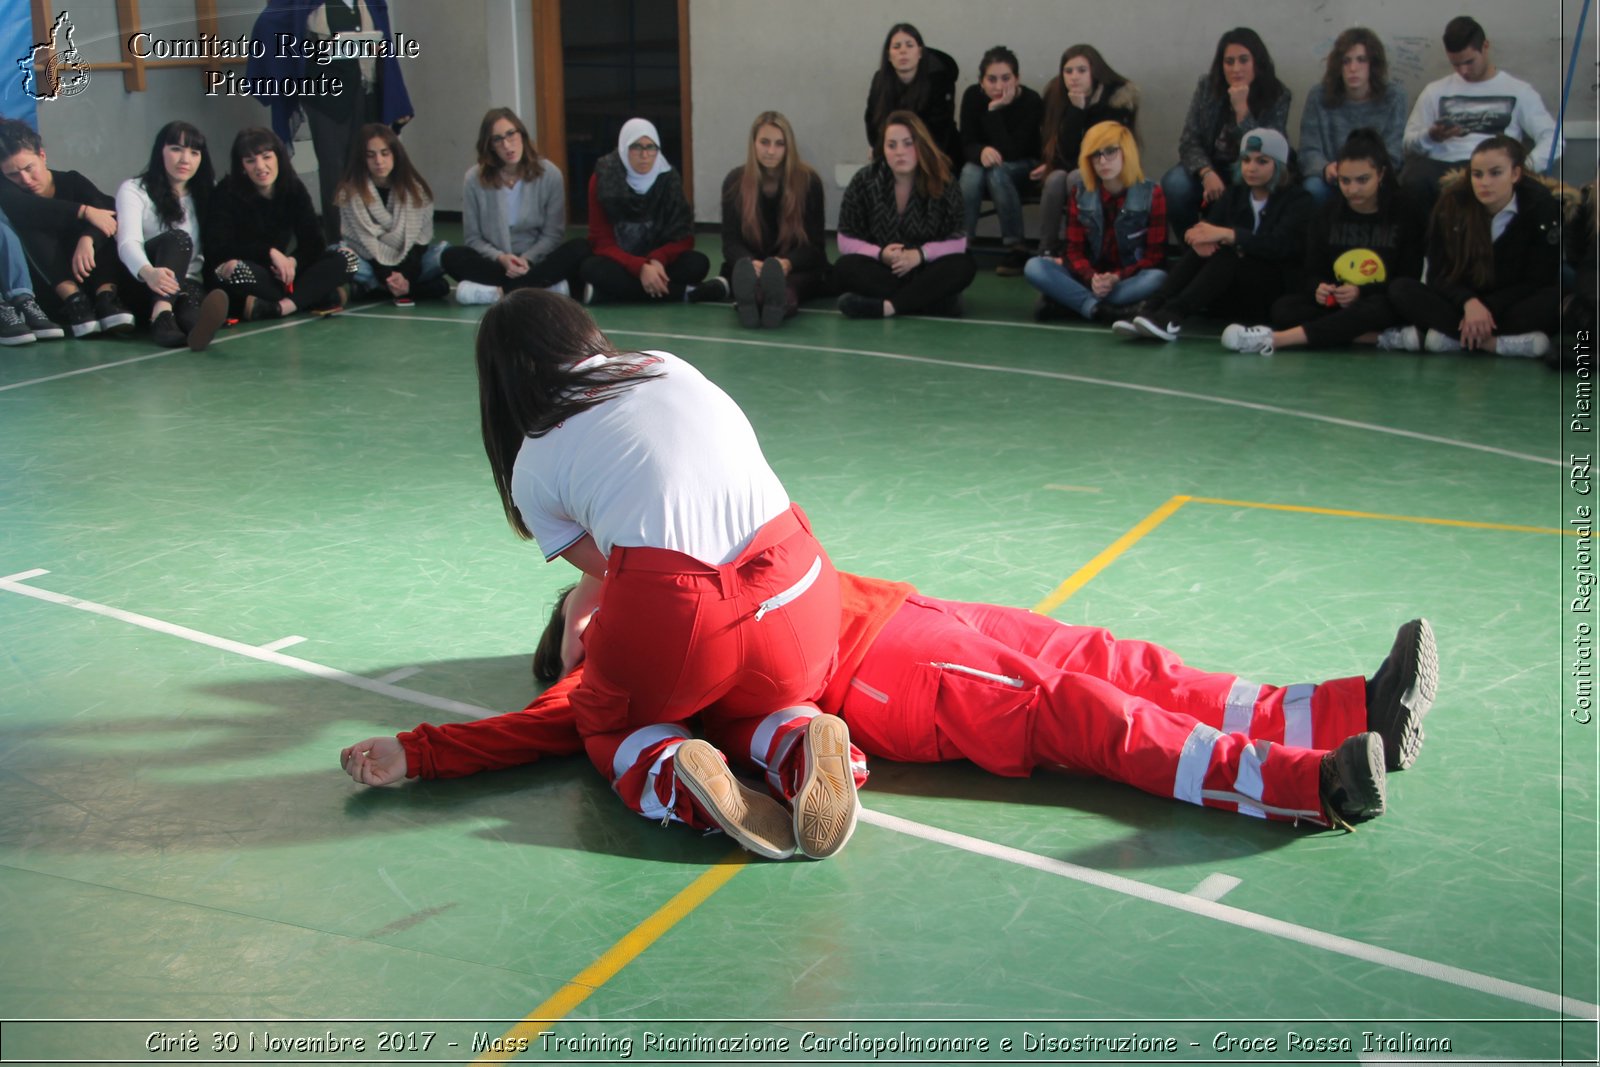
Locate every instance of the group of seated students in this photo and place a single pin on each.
(1322, 247)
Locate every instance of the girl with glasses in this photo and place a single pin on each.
(1087, 93)
(641, 231)
(513, 218)
(1116, 234)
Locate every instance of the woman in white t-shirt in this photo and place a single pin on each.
(635, 467)
(158, 237)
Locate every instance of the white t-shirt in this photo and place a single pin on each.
(667, 463)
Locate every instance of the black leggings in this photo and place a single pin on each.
(1428, 310)
(1223, 284)
(1327, 327)
(918, 290)
(172, 249)
(561, 265)
(613, 281)
(314, 282)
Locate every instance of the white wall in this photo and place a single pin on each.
(813, 62)
(474, 55)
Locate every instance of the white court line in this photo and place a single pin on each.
(399, 675)
(151, 355)
(1089, 876)
(1249, 405)
(282, 642)
(305, 666)
(1248, 920)
(1215, 886)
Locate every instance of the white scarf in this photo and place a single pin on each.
(632, 130)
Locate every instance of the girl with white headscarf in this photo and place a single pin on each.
(640, 227)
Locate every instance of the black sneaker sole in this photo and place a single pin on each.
(1360, 763)
(1419, 667)
(744, 294)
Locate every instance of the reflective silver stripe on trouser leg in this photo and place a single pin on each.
(1297, 715)
(1188, 784)
(628, 753)
(763, 741)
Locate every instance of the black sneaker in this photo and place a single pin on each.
(258, 308)
(77, 315)
(13, 328)
(1015, 259)
(109, 312)
(165, 331)
(1402, 691)
(1353, 784)
(1162, 326)
(744, 294)
(856, 306)
(37, 321)
(712, 290)
(208, 320)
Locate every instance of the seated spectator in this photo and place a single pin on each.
(1000, 145)
(774, 251)
(386, 223)
(1242, 257)
(158, 238)
(264, 242)
(513, 218)
(902, 248)
(912, 77)
(1370, 220)
(22, 320)
(1241, 92)
(1087, 93)
(1494, 261)
(1460, 111)
(66, 226)
(1116, 235)
(640, 225)
(1355, 93)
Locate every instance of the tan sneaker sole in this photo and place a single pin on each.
(825, 805)
(756, 821)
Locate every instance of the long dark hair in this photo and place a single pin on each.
(1464, 225)
(1377, 65)
(252, 141)
(1265, 88)
(1106, 82)
(888, 92)
(491, 166)
(528, 344)
(408, 186)
(547, 653)
(169, 209)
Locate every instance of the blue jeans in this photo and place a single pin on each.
(14, 280)
(364, 281)
(1319, 188)
(1057, 283)
(1183, 192)
(1003, 184)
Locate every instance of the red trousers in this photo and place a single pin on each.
(1011, 690)
(675, 637)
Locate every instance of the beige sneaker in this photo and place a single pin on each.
(756, 821)
(825, 805)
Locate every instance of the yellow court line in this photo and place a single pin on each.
(1086, 572)
(526, 1033)
(1386, 518)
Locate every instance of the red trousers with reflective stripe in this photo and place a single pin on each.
(1012, 690)
(674, 636)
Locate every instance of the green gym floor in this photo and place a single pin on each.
(225, 567)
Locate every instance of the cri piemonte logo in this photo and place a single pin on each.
(64, 74)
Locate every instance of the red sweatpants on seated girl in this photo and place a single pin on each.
(675, 636)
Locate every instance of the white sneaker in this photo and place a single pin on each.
(1125, 328)
(1400, 339)
(1248, 339)
(560, 287)
(588, 293)
(1149, 327)
(1530, 345)
(1438, 342)
(476, 293)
